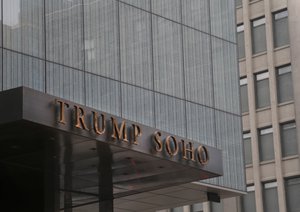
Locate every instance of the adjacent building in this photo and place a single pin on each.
(167, 66)
(268, 51)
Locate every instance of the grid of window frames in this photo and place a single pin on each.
(284, 84)
(288, 137)
(289, 144)
(280, 32)
(262, 92)
(266, 148)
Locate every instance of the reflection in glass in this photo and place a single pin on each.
(101, 37)
(64, 32)
(23, 26)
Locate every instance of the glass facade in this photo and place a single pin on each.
(166, 64)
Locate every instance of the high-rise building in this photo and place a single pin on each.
(130, 103)
(268, 50)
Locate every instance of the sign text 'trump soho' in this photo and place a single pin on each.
(117, 129)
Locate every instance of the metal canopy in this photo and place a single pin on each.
(79, 165)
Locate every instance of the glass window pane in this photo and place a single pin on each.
(280, 28)
(144, 4)
(238, 3)
(258, 35)
(103, 94)
(244, 95)
(65, 82)
(167, 8)
(178, 209)
(221, 19)
(197, 207)
(167, 52)
(23, 70)
(248, 200)
(288, 137)
(64, 32)
(23, 26)
(247, 148)
(197, 67)
(195, 13)
(241, 41)
(262, 93)
(270, 197)
(284, 84)
(216, 207)
(266, 148)
(135, 38)
(292, 190)
(101, 34)
(138, 105)
(172, 118)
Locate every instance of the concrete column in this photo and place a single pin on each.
(106, 196)
(231, 204)
(186, 208)
(252, 107)
(294, 30)
(274, 108)
(206, 207)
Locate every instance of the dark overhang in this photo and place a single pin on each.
(82, 143)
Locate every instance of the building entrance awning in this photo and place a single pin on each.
(88, 154)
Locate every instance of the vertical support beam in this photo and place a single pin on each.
(274, 109)
(51, 176)
(252, 108)
(206, 207)
(106, 196)
(68, 176)
(294, 31)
